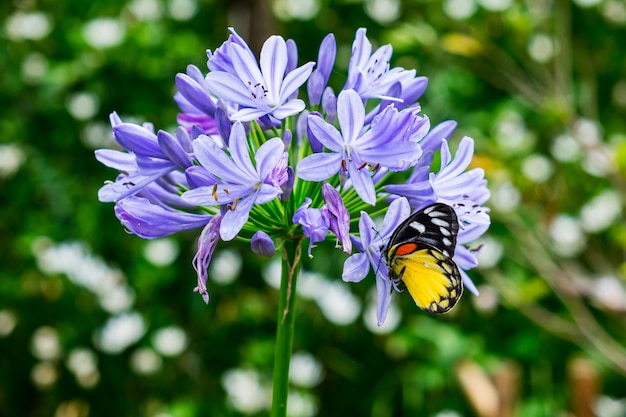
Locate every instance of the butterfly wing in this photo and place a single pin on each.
(435, 226)
(420, 253)
(433, 279)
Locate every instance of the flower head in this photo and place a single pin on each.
(235, 168)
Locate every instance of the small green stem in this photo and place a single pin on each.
(292, 256)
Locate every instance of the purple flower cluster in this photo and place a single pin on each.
(235, 168)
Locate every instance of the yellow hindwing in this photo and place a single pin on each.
(433, 280)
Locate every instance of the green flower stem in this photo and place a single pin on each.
(292, 256)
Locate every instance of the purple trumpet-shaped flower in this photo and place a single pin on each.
(333, 216)
(369, 73)
(206, 246)
(370, 245)
(314, 223)
(150, 221)
(356, 151)
(241, 183)
(258, 91)
(150, 157)
(338, 216)
(262, 244)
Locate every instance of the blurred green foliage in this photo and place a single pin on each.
(96, 322)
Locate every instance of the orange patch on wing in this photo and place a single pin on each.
(406, 249)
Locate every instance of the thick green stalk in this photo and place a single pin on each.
(292, 253)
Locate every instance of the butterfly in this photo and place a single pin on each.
(419, 254)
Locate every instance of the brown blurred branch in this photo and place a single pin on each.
(252, 19)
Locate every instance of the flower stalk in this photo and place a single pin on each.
(292, 256)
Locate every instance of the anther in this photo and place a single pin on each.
(233, 206)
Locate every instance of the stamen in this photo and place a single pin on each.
(363, 165)
(214, 193)
(233, 206)
(344, 165)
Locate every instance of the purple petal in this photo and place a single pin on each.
(195, 94)
(234, 220)
(292, 55)
(351, 114)
(198, 176)
(295, 79)
(213, 158)
(461, 160)
(239, 151)
(367, 229)
(315, 87)
(138, 140)
(122, 161)
(248, 114)
(230, 88)
(398, 211)
(319, 166)
(289, 108)
(355, 268)
(273, 65)
(268, 156)
(325, 133)
(383, 297)
(326, 57)
(150, 221)
(173, 150)
(329, 104)
(362, 182)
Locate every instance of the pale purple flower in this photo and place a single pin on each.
(258, 91)
(241, 183)
(221, 58)
(370, 244)
(149, 157)
(370, 75)
(357, 150)
(314, 223)
(338, 216)
(206, 246)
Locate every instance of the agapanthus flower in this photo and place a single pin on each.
(357, 150)
(371, 76)
(241, 183)
(235, 169)
(264, 90)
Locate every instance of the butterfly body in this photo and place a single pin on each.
(419, 254)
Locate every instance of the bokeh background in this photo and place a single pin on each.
(96, 322)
